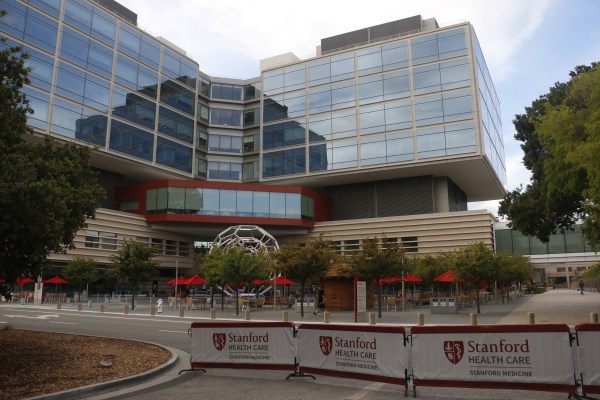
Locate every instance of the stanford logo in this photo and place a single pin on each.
(219, 340)
(454, 350)
(326, 343)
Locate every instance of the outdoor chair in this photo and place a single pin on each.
(390, 302)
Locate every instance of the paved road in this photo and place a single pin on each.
(169, 329)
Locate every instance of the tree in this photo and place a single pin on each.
(561, 140)
(234, 266)
(134, 263)
(80, 271)
(377, 258)
(48, 189)
(430, 267)
(474, 263)
(305, 262)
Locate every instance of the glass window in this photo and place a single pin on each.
(79, 14)
(250, 171)
(294, 77)
(109, 241)
(184, 249)
(396, 85)
(342, 67)
(319, 100)
(260, 204)
(284, 134)
(426, 79)
(92, 239)
(457, 105)
(78, 123)
(277, 205)
(204, 87)
(424, 49)
(177, 96)
(226, 91)
(455, 74)
(319, 72)
(50, 6)
(39, 103)
(174, 155)
(225, 143)
(252, 91)
(429, 110)
(179, 68)
(133, 108)
(370, 90)
(224, 170)
(394, 55)
(284, 162)
(219, 116)
(252, 117)
(201, 168)
(175, 125)
(227, 202)
(273, 82)
(244, 203)
(82, 87)
(132, 141)
(342, 95)
(369, 60)
(136, 77)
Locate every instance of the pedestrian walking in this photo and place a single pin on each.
(320, 301)
(581, 285)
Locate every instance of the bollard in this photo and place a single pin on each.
(326, 317)
(101, 307)
(79, 307)
(58, 306)
(181, 311)
(152, 310)
(473, 318)
(125, 309)
(594, 318)
(213, 313)
(371, 318)
(284, 316)
(89, 304)
(23, 301)
(247, 315)
(531, 318)
(420, 319)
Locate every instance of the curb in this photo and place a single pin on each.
(97, 389)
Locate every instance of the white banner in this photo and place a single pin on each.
(588, 337)
(536, 357)
(349, 351)
(257, 345)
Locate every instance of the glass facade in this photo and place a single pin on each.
(512, 241)
(241, 203)
(402, 102)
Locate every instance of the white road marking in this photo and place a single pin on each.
(64, 323)
(34, 317)
(162, 330)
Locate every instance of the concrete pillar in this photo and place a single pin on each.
(181, 311)
(58, 305)
(473, 319)
(213, 313)
(284, 316)
(79, 307)
(125, 309)
(372, 318)
(420, 319)
(594, 318)
(152, 310)
(89, 304)
(326, 317)
(247, 315)
(101, 307)
(531, 318)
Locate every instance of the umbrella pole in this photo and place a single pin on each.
(403, 294)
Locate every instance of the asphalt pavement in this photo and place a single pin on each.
(554, 306)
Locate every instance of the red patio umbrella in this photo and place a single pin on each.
(194, 280)
(447, 277)
(256, 282)
(408, 278)
(23, 280)
(57, 279)
(177, 281)
(280, 280)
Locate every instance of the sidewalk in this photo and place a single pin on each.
(554, 306)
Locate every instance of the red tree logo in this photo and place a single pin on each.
(219, 340)
(326, 344)
(454, 350)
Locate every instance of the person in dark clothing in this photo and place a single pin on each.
(581, 285)
(320, 301)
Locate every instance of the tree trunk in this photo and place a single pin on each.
(222, 298)
(133, 298)
(477, 298)
(302, 299)
(212, 296)
(379, 298)
(237, 304)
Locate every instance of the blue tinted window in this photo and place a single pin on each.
(79, 14)
(30, 25)
(133, 108)
(319, 72)
(173, 155)
(342, 67)
(175, 125)
(342, 95)
(177, 96)
(369, 60)
(78, 123)
(132, 141)
(226, 91)
(179, 68)
(225, 143)
(396, 85)
(332, 126)
(224, 170)
(386, 148)
(39, 103)
(446, 140)
(52, 7)
(429, 110)
(457, 105)
(139, 46)
(284, 162)
(273, 82)
(104, 27)
(370, 90)
(135, 76)
(285, 106)
(91, 20)
(82, 87)
(86, 53)
(319, 99)
(394, 55)
(284, 134)
(221, 116)
(41, 68)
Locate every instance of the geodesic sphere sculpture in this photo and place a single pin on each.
(253, 238)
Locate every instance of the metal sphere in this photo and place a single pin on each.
(253, 238)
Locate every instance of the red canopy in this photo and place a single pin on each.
(410, 278)
(256, 282)
(280, 280)
(447, 277)
(178, 281)
(56, 279)
(23, 280)
(194, 280)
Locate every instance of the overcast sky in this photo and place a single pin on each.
(528, 44)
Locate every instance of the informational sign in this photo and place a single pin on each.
(588, 337)
(535, 357)
(361, 296)
(252, 345)
(373, 353)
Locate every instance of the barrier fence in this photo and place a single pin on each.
(526, 357)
